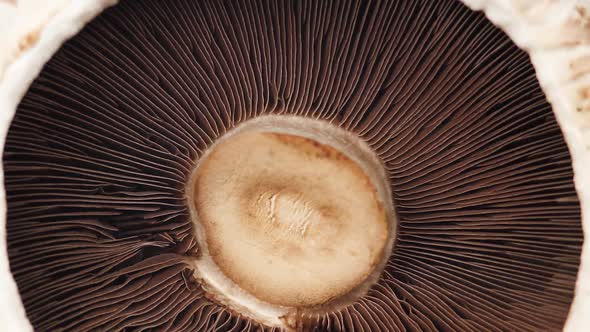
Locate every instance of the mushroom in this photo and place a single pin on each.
(235, 166)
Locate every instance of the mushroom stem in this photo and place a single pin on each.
(292, 215)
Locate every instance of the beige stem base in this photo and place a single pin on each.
(290, 218)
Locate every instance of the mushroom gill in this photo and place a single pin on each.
(463, 184)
